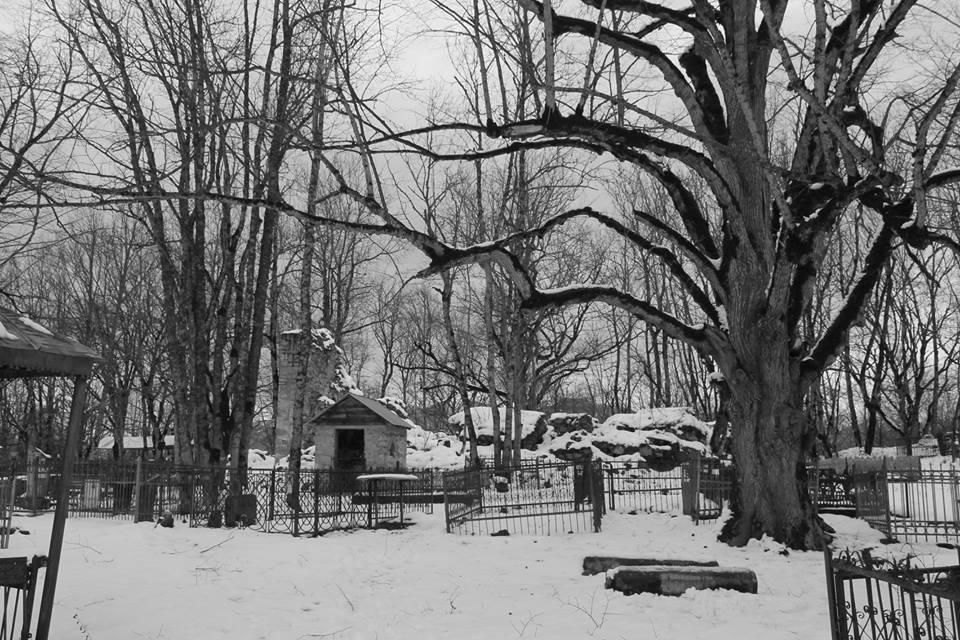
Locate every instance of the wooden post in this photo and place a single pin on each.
(34, 481)
(8, 521)
(137, 479)
(60, 516)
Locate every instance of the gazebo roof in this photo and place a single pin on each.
(28, 349)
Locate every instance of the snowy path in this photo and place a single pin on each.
(122, 581)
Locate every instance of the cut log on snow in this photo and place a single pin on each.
(592, 565)
(673, 580)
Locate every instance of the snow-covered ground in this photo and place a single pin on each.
(123, 581)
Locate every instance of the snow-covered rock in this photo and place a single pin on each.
(307, 459)
(534, 425)
(260, 459)
(566, 422)
(665, 437)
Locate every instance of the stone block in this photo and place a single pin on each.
(593, 565)
(673, 580)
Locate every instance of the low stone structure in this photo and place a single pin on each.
(357, 433)
(669, 580)
(592, 565)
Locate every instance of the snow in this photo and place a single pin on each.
(134, 442)
(656, 418)
(322, 337)
(260, 459)
(6, 335)
(35, 326)
(404, 477)
(438, 458)
(483, 420)
(120, 580)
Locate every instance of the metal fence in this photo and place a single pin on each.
(539, 498)
(872, 598)
(310, 502)
(18, 584)
(700, 488)
(327, 500)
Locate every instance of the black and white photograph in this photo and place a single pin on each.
(480, 319)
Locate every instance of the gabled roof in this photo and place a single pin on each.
(28, 349)
(378, 408)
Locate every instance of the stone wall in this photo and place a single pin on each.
(384, 446)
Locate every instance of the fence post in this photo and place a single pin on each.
(270, 500)
(885, 496)
(595, 470)
(954, 497)
(316, 501)
(35, 483)
(8, 516)
(446, 502)
(297, 505)
(137, 479)
(831, 593)
(193, 496)
(610, 486)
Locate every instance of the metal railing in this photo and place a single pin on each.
(311, 502)
(541, 498)
(18, 583)
(873, 598)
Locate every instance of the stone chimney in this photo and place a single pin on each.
(324, 357)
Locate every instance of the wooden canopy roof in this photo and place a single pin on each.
(27, 349)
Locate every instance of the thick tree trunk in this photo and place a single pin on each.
(768, 444)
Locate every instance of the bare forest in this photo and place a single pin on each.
(745, 207)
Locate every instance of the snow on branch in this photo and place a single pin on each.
(634, 45)
(625, 144)
(584, 294)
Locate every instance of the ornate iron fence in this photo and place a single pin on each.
(542, 498)
(313, 502)
(324, 500)
(873, 598)
(831, 490)
(636, 486)
(18, 581)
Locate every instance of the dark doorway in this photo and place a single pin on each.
(350, 452)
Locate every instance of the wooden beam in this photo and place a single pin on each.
(60, 516)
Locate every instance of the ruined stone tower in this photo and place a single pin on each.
(324, 380)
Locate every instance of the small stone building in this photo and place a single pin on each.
(358, 433)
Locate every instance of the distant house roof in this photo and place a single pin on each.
(133, 442)
(28, 349)
(378, 408)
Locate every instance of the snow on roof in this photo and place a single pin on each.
(376, 407)
(35, 326)
(30, 349)
(133, 442)
(6, 335)
(660, 418)
(483, 420)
